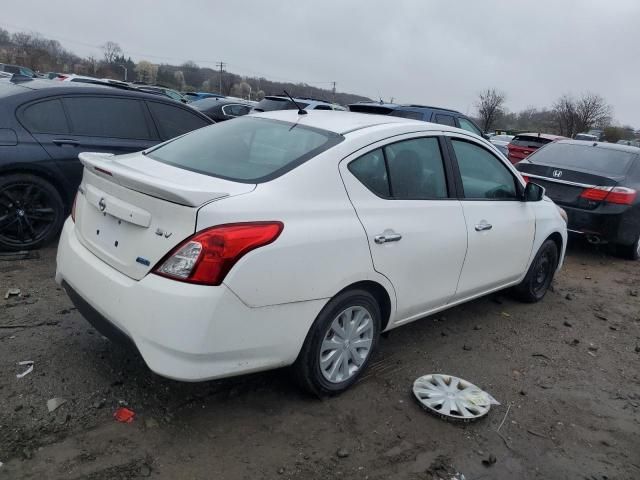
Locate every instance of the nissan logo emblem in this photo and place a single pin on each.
(102, 204)
(557, 173)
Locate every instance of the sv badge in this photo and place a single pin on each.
(162, 233)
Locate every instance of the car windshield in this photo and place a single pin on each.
(271, 104)
(588, 158)
(529, 141)
(248, 149)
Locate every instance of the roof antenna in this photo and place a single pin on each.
(300, 110)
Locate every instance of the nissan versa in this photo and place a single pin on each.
(288, 239)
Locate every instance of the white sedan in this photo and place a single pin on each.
(286, 239)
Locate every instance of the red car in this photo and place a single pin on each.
(525, 144)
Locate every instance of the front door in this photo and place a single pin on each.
(500, 226)
(415, 228)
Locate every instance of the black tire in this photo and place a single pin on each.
(31, 212)
(630, 252)
(540, 275)
(307, 370)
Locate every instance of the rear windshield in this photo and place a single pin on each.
(529, 141)
(247, 149)
(271, 104)
(586, 158)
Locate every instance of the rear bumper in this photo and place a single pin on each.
(185, 332)
(609, 223)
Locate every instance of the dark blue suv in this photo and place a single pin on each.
(443, 116)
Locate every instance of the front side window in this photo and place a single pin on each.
(484, 176)
(45, 117)
(468, 126)
(247, 149)
(107, 117)
(406, 170)
(172, 121)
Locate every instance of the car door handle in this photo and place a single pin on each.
(66, 141)
(481, 227)
(388, 237)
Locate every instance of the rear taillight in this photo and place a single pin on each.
(525, 178)
(73, 208)
(206, 257)
(617, 195)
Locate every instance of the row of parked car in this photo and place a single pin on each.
(49, 122)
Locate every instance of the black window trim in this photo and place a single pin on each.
(458, 177)
(446, 161)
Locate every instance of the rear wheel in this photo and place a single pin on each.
(540, 274)
(340, 344)
(631, 252)
(31, 212)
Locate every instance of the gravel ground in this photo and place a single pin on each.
(568, 367)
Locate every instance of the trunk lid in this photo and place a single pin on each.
(564, 185)
(132, 210)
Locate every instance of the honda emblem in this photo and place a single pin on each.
(557, 173)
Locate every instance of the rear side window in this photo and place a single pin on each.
(605, 161)
(445, 119)
(468, 126)
(173, 121)
(484, 176)
(529, 141)
(247, 149)
(416, 169)
(371, 170)
(407, 170)
(107, 117)
(45, 117)
(407, 114)
(235, 110)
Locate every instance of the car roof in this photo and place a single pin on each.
(405, 106)
(346, 122)
(547, 136)
(605, 145)
(55, 87)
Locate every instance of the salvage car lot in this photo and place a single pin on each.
(568, 366)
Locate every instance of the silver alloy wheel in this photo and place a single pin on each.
(347, 344)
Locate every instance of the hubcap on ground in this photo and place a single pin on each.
(451, 397)
(347, 344)
(26, 214)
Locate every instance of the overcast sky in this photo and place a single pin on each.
(421, 51)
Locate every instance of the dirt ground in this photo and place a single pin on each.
(566, 369)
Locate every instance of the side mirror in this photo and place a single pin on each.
(533, 192)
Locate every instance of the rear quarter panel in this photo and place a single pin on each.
(322, 248)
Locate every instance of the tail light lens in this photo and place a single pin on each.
(617, 195)
(73, 208)
(206, 257)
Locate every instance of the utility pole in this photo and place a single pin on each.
(221, 65)
(125, 71)
(334, 92)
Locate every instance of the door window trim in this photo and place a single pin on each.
(448, 137)
(449, 171)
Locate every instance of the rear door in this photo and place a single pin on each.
(402, 194)
(500, 227)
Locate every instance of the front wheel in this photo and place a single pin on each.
(339, 344)
(540, 274)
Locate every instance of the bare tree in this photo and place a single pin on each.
(489, 107)
(111, 51)
(147, 72)
(576, 116)
(591, 110)
(179, 78)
